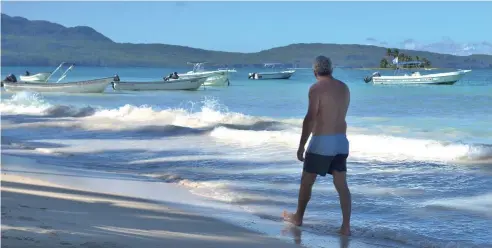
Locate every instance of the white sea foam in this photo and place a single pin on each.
(239, 129)
(480, 204)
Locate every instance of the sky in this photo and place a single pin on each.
(255, 26)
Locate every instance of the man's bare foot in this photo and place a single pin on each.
(344, 231)
(292, 218)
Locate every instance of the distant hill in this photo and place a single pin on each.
(42, 43)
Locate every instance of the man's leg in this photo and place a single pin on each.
(340, 182)
(307, 181)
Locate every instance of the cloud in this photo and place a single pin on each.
(374, 42)
(448, 46)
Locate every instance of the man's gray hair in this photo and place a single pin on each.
(322, 66)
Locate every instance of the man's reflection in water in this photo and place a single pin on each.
(296, 234)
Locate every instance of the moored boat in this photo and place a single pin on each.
(415, 77)
(86, 86)
(171, 84)
(219, 77)
(271, 74)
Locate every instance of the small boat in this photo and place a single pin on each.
(87, 86)
(219, 77)
(38, 77)
(415, 77)
(272, 74)
(42, 77)
(171, 84)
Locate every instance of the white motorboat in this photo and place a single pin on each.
(415, 77)
(172, 84)
(38, 77)
(87, 86)
(272, 74)
(219, 77)
(42, 77)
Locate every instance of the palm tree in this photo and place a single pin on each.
(396, 52)
(389, 52)
(424, 62)
(427, 63)
(383, 63)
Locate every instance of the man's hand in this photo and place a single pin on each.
(300, 153)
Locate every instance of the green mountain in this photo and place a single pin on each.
(42, 43)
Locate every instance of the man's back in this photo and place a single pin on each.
(333, 98)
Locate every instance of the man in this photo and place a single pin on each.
(328, 149)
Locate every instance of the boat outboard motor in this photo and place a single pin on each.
(116, 78)
(10, 79)
(168, 77)
(251, 75)
(369, 78)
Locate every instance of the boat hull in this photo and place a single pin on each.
(36, 78)
(214, 78)
(439, 78)
(271, 75)
(176, 84)
(217, 80)
(88, 86)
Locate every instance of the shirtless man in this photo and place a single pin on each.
(328, 149)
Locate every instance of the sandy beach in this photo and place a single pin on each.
(38, 213)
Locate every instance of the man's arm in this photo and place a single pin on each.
(307, 124)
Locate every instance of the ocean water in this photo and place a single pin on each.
(420, 165)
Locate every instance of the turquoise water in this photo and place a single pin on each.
(421, 156)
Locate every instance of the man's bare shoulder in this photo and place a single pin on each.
(315, 88)
(342, 85)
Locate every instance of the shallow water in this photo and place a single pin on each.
(420, 165)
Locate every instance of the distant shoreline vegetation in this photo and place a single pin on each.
(395, 53)
(42, 43)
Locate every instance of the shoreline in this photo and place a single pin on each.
(142, 191)
(43, 210)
